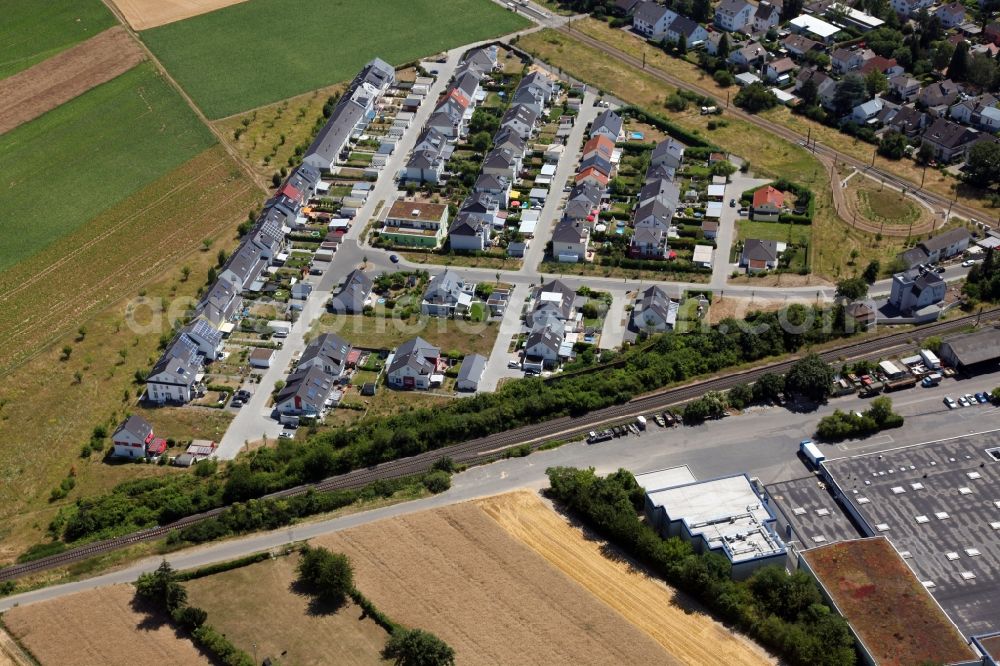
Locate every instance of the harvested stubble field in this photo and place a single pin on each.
(86, 279)
(144, 14)
(262, 51)
(100, 628)
(688, 634)
(243, 601)
(30, 32)
(83, 157)
(455, 572)
(30, 93)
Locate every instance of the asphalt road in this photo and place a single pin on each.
(762, 442)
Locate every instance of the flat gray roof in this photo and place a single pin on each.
(939, 505)
(814, 515)
(661, 479)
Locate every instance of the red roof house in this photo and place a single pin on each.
(767, 203)
(593, 175)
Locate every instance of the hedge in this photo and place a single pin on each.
(220, 567)
(676, 131)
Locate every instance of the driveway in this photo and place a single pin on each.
(721, 267)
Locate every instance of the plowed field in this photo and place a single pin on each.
(454, 571)
(689, 635)
(62, 77)
(99, 628)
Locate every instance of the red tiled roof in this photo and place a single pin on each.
(877, 63)
(290, 191)
(600, 143)
(591, 171)
(768, 195)
(156, 447)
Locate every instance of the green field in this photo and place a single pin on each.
(65, 167)
(795, 234)
(261, 51)
(33, 30)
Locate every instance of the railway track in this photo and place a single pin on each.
(827, 153)
(492, 447)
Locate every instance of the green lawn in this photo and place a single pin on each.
(65, 167)
(261, 51)
(796, 234)
(33, 30)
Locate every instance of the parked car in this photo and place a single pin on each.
(968, 262)
(732, 203)
(394, 258)
(982, 398)
(236, 403)
(659, 421)
(962, 402)
(284, 434)
(950, 402)
(514, 363)
(939, 269)
(971, 399)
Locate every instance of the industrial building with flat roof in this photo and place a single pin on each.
(972, 350)
(726, 515)
(939, 505)
(808, 514)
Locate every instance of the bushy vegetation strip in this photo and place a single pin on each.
(844, 425)
(784, 612)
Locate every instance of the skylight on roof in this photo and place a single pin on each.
(819, 538)
(928, 584)
(917, 486)
(863, 500)
(798, 511)
(972, 552)
(923, 519)
(822, 512)
(964, 491)
(898, 490)
(968, 575)
(952, 556)
(974, 475)
(941, 515)
(882, 527)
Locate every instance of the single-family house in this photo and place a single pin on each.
(208, 338)
(414, 364)
(887, 66)
(570, 241)
(904, 87)
(767, 203)
(553, 301)
(826, 86)
(654, 311)
(132, 437)
(447, 295)
(659, 210)
(651, 20)
(627, 7)
(470, 374)
(799, 45)
(649, 241)
(244, 266)
(468, 233)
(609, 124)
(600, 146)
(502, 163)
(508, 139)
(521, 119)
(694, 33)
(497, 187)
(592, 175)
(905, 8)
(938, 96)
(903, 119)
(175, 375)
(328, 352)
(221, 305)
(750, 56)
(420, 224)
(353, 294)
(662, 190)
(949, 140)
(766, 17)
(542, 347)
(305, 392)
(481, 207)
(780, 70)
(845, 60)
(759, 255)
(733, 15)
(866, 111)
(260, 357)
(668, 152)
(951, 15)
(597, 162)
(912, 291)
(946, 245)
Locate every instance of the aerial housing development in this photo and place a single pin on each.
(601, 305)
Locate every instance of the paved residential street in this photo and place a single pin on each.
(762, 442)
(510, 325)
(721, 267)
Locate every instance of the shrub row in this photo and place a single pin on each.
(661, 123)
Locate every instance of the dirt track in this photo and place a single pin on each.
(145, 14)
(99, 628)
(690, 636)
(54, 81)
(455, 572)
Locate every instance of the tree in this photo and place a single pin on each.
(185, 273)
(790, 9)
(329, 574)
(810, 377)
(943, 51)
(852, 289)
(982, 167)
(893, 145)
(66, 352)
(926, 153)
(483, 121)
(415, 647)
(850, 92)
(755, 98)
(701, 10)
(768, 387)
(722, 51)
(723, 168)
(958, 68)
(808, 92)
(723, 78)
(876, 82)
(480, 141)
(871, 271)
(676, 103)
(682, 45)
(982, 70)
(161, 586)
